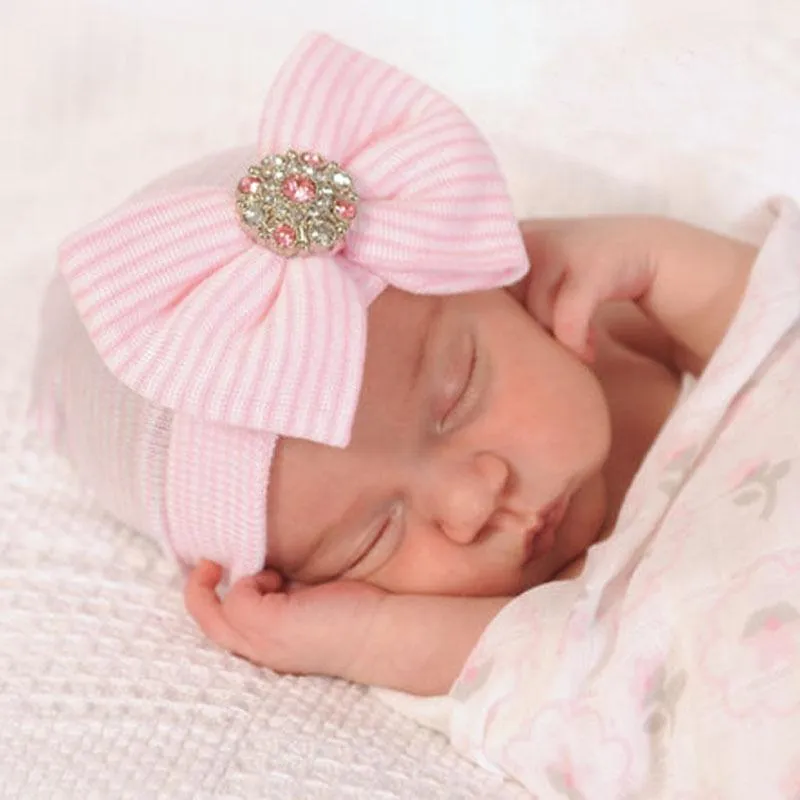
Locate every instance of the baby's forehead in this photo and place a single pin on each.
(398, 326)
(399, 314)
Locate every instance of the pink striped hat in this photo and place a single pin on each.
(225, 306)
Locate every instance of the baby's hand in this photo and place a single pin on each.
(688, 280)
(578, 264)
(346, 629)
(313, 630)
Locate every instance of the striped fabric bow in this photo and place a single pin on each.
(192, 312)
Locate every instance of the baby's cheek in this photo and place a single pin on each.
(583, 524)
(439, 566)
(589, 419)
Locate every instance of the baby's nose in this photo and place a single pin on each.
(468, 494)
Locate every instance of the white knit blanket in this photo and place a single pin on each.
(106, 690)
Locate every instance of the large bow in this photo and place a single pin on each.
(188, 311)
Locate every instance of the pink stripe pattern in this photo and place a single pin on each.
(194, 317)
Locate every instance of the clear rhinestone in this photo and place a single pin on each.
(253, 215)
(270, 163)
(313, 159)
(341, 180)
(322, 234)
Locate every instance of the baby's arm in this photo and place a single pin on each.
(346, 629)
(688, 280)
(420, 643)
(699, 282)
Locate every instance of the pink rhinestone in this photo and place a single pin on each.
(249, 184)
(345, 209)
(313, 160)
(299, 189)
(284, 236)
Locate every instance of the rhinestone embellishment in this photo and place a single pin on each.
(297, 204)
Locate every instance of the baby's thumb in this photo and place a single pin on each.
(573, 310)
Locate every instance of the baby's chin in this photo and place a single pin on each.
(581, 528)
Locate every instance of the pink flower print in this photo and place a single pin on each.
(772, 632)
(645, 678)
(658, 692)
(568, 749)
(472, 679)
(752, 641)
(744, 472)
(675, 470)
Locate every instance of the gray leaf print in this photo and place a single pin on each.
(759, 472)
(781, 469)
(747, 498)
(765, 478)
(655, 723)
(662, 698)
(683, 458)
(765, 618)
(675, 471)
(670, 487)
(674, 689)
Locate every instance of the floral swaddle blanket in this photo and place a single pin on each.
(671, 667)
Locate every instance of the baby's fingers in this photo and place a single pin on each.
(573, 310)
(243, 603)
(542, 292)
(203, 604)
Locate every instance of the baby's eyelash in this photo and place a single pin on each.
(391, 519)
(464, 390)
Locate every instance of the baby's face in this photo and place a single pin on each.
(472, 420)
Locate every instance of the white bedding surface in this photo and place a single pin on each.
(106, 690)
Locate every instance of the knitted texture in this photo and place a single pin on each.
(236, 345)
(108, 691)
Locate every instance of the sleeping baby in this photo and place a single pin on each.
(335, 373)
